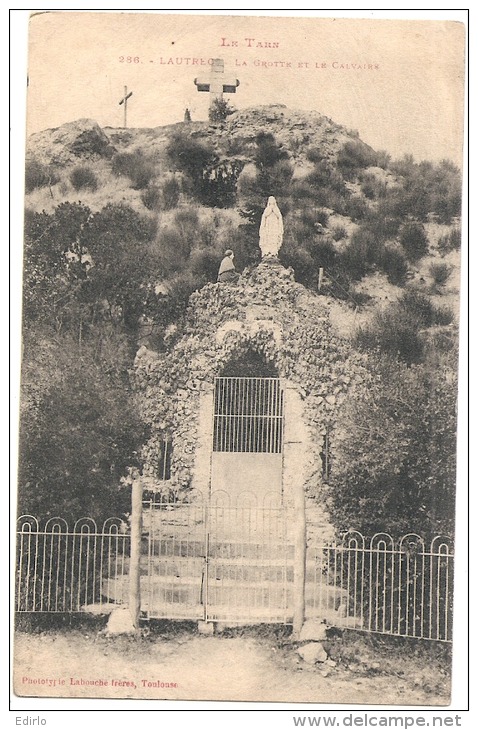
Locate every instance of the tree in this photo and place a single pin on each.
(78, 429)
(394, 460)
(219, 110)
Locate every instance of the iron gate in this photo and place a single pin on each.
(219, 559)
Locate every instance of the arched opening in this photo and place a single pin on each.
(248, 426)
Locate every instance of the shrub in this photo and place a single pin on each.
(136, 166)
(151, 197)
(393, 333)
(357, 257)
(355, 207)
(450, 242)
(219, 110)
(414, 240)
(353, 156)
(339, 233)
(394, 264)
(83, 178)
(421, 310)
(205, 264)
(38, 175)
(170, 193)
(372, 187)
(440, 273)
(268, 151)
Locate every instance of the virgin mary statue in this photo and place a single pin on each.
(271, 230)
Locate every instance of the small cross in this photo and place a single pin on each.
(124, 101)
(218, 83)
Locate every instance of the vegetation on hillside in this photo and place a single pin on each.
(115, 270)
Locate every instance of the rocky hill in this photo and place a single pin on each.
(334, 190)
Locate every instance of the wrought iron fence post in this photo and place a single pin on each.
(135, 551)
(299, 561)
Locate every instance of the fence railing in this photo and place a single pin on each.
(402, 587)
(62, 570)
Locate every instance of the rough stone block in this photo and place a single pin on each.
(206, 627)
(313, 630)
(312, 653)
(120, 622)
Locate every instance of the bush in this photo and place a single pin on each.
(414, 240)
(358, 257)
(440, 273)
(151, 197)
(83, 178)
(134, 165)
(170, 192)
(372, 187)
(392, 333)
(394, 264)
(38, 175)
(450, 242)
(355, 207)
(339, 233)
(354, 156)
(219, 110)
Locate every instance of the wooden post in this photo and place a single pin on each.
(135, 551)
(321, 278)
(299, 561)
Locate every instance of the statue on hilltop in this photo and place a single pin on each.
(271, 230)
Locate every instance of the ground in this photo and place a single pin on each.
(172, 661)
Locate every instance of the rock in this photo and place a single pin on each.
(312, 653)
(120, 622)
(72, 142)
(206, 627)
(313, 630)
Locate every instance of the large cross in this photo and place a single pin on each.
(218, 83)
(124, 101)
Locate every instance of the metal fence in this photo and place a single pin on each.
(234, 561)
(63, 570)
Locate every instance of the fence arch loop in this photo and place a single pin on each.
(25, 523)
(85, 526)
(56, 525)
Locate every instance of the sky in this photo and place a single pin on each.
(399, 83)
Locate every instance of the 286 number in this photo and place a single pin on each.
(129, 59)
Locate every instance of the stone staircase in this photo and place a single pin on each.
(240, 582)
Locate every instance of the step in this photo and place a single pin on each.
(161, 590)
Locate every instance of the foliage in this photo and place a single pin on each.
(394, 264)
(339, 233)
(395, 331)
(414, 240)
(84, 177)
(151, 197)
(394, 463)
(354, 156)
(219, 110)
(136, 166)
(78, 431)
(170, 192)
(450, 241)
(38, 175)
(440, 273)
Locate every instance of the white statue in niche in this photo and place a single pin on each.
(271, 230)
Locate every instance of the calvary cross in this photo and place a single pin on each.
(124, 101)
(218, 83)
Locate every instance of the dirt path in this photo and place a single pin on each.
(188, 666)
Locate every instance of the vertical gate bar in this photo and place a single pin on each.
(447, 589)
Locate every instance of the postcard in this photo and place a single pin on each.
(240, 327)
